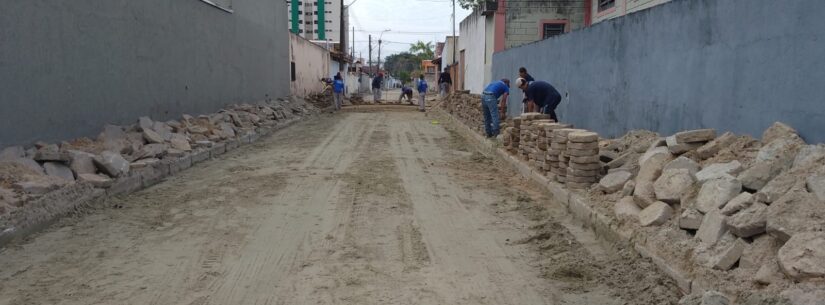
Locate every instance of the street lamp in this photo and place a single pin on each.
(379, 55)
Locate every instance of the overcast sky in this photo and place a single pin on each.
(407, 20)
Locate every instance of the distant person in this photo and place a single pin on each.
(522, 73)
(338, 91)
(422, 92)
(542, 96)
(445, 81)
(406, 92)
(377, 81)
(491, 106)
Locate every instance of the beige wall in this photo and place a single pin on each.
(622, 7)
(525, 18)
(311, 64)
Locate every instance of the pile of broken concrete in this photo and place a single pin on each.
(123, 158)
(466, 107)
(753, 205)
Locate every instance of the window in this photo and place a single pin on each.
(552, 29)
(316, 21)
(224, 5)
(292, 71)
(606, 4)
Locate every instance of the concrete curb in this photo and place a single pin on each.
(577, 204)
(45, 211)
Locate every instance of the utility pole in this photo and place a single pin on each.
(370, 52)
(353, 44)
(343, 39)
(379, 67)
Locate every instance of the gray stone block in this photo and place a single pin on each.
(217, 149)
(125, 185)
(690, 219)
(712, 229)
(803, 256)
(716, 193)
(232, 144)
(59, 170)
(673, 184)
(749, 222)
(199, 155)
(656, 214)
(180, 164)
(719, 170)
(692, 136)
(816, 185)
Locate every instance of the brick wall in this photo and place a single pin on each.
(524, 18)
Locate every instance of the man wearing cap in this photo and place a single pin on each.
(491, 106)
(541, 95)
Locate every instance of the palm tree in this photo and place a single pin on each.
(422, 49)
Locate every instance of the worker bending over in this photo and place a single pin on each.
(541, 96)
(491, 106)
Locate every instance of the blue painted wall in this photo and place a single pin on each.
(68, 67)
(734, 65)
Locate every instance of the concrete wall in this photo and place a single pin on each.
(477, 43)
(312, 63)
(68, 67)
(733, 65)
(621, 8)
(525, 19)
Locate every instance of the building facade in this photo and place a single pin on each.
(602, 10)
(499, 25)
(309, 63)
(317, 19)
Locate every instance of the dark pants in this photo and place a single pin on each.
(549, 106)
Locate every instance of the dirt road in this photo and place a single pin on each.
(352, 208)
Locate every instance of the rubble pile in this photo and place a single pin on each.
(742, 215)
(320, 100)
(745, 213)
(123, 158)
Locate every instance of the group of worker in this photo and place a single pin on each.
(539, 96)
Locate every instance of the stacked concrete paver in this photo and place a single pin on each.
(583, 168)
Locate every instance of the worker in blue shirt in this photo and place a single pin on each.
(406, 92)
(338, 91)
(541, 96)
(422, 92)
(491, 106)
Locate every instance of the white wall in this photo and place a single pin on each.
(312, 62)
(476, 42)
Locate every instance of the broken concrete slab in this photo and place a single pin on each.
(777, 188)
(179, 142)
(656, 214)
(816, 185)
(644, 194)
(713, 227)
(614, 182)
(152, 137)
(683, 163)
(145, 123)
(13, 152)
(628, 188)
(59, 170)
(758, 175)
(796, 212)
(50, 152)
(719, 170)
(721, 255)
(809, 156)
(112, 164)
(232, 144)
(151, 151)
(626, 208)
(654, 161)
(768, 273)
(40, 186)
(180, 164)
(173, 153)
(782, 150)
(81, 162)
(738, 203)
(142, 163)
(164, 130)
(98, 181)
(803, 256)
(30, 164)
(672, 185)
(217, 149)
(798, 296)
(153, 174)
(692, 136)
(690, 219)
(714, 194)
(199, 155)
(778, 130)
(762, 250)
(713, 147)
(749, 222)
(677, 148)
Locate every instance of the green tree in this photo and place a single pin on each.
(404, 76)
(423, 49)
(470, 4)
(402, 62)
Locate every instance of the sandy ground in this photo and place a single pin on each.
(352, 208)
